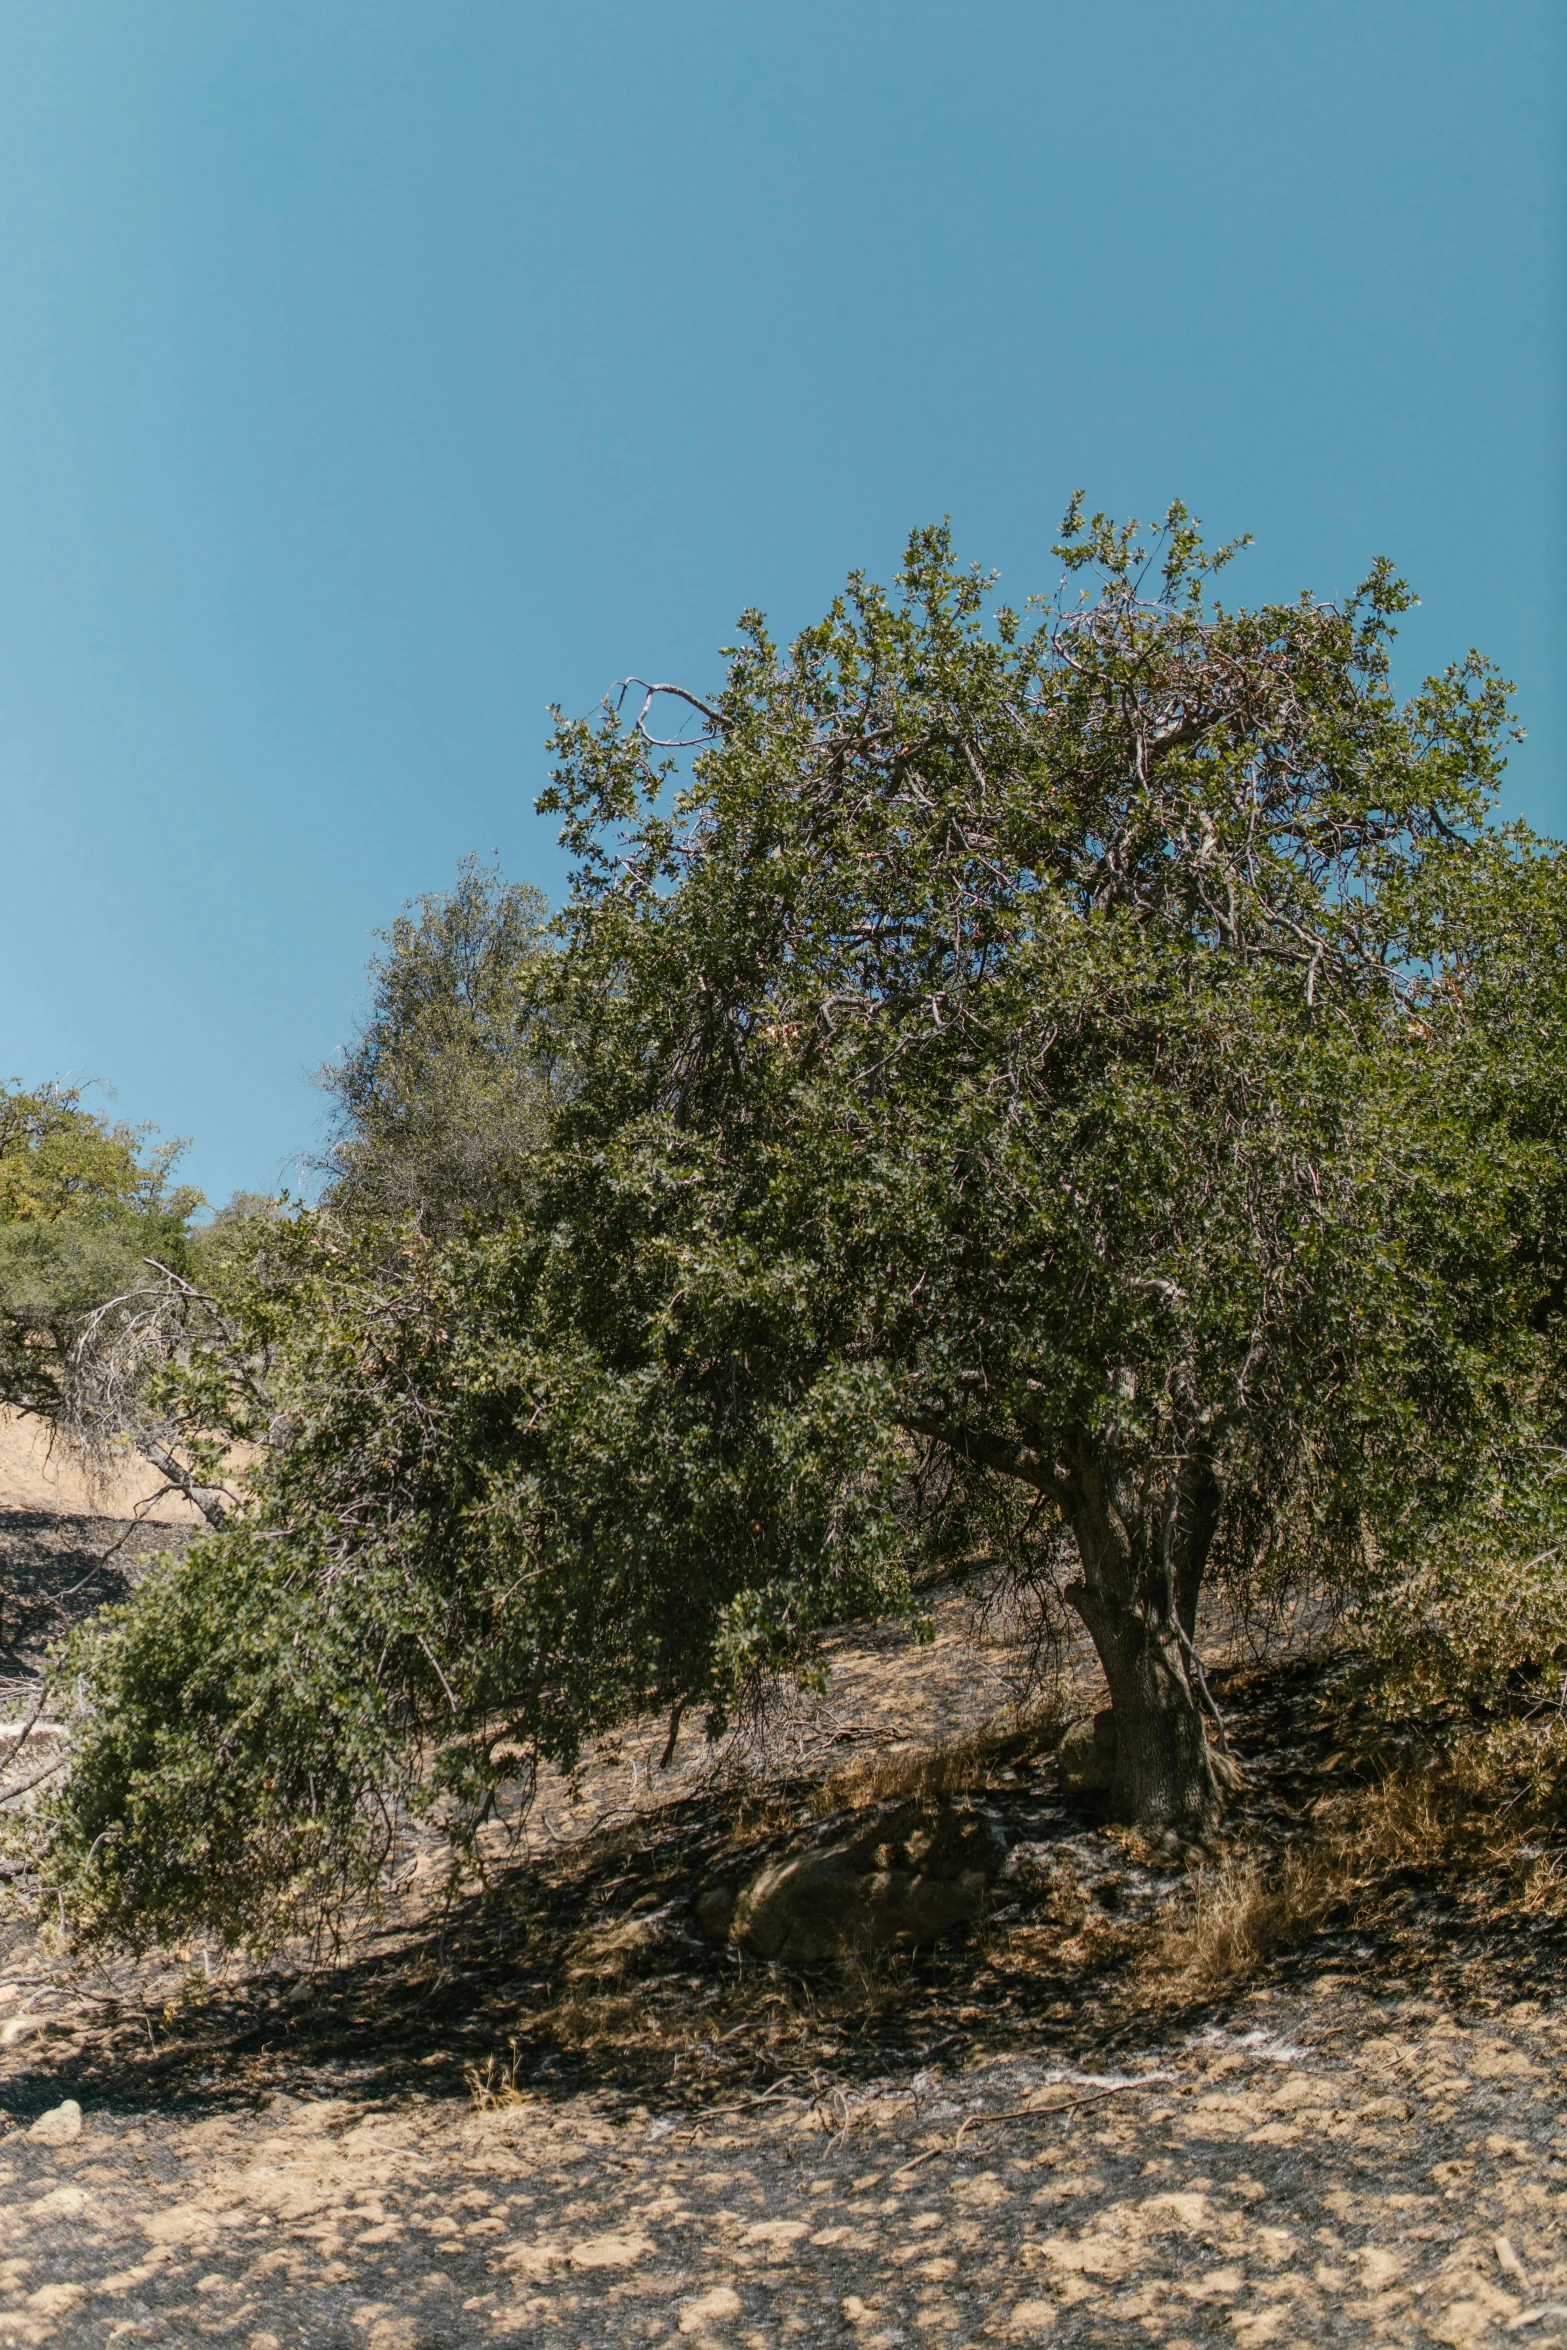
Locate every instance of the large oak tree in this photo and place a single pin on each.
(1044, 1013)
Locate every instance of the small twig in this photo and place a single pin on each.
(435, 1668)
(850, 2117)
(778, 2089)
(668, 1755)
(668, 742)
(1205, 1697)
(138, 1520)
(10, 1794)
(1015, 2113)
(747, 2105)
(951, 2041)
(30, 1724)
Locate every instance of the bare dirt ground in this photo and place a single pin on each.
(542, 2109)
(42, 1477)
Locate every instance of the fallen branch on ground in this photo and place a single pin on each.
(748, 2105)
(1014, 2113)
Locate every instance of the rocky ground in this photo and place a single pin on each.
(546, 2109)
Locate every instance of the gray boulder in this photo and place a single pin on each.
(904, 1875)
(1086, 1756)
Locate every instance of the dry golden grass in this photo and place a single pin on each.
(1238, 1918)
(494, 2087)
(959, 1766)
(904, 1773)
(601, 2020)
(755, 1817)
(1466, 1822)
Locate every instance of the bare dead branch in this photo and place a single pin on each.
(651, 693)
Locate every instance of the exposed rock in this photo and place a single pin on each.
(1086, 1757)
(59, 2126)
(907, 1873)
(715, 1909)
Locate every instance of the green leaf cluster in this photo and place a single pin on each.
(474, 1540)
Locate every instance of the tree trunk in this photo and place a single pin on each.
(1143, 1541)
(1144, 1531)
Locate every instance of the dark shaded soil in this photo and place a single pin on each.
(54, 1571)
(513, 1976)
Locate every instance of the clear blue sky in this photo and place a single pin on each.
(372, 374)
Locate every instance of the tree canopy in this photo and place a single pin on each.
(1090, 1056)
(441, 1098)
(1050, 1020)
(84, 1201)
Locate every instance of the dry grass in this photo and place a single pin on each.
(601, 2020)
(902, 1773)
(959, 1766)
(495, 2087)
(1238, 1918)
(897, 1774)
(758, 1816)
(1460, 1828)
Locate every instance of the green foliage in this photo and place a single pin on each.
(442, 1096)
(474, 1541)
(83, 1203)
(1078, 1063)
(59, 1162)
(1066, 1014)
(233, 1771)
(1472, 1608)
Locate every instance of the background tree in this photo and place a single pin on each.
(174, 1366)
(1465, 1609)
(441, 1098)
(84, 1202)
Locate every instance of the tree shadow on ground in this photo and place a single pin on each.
(508, 1989)
(57, 1568)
